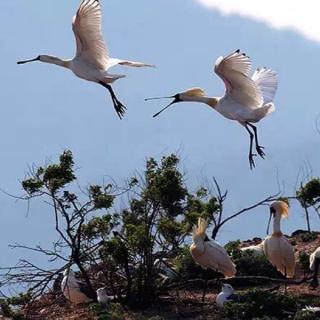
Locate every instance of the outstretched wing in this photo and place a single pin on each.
(87, 30)
(267, 81)
(235, 70)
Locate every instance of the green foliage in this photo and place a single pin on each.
(233, 248)
(304, 261)
(306, 315)
(309, 194)
(53, 177)
(98, 227)
(249, 264)
(114, 312)
(258, 304)
(308, 237)
(101, 197)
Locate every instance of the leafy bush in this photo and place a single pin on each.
(306, 315)
(304, 261)
(257, 303)
(308, 237)
(249, 264)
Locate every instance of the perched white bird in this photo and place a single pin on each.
(208, 253)
(277, 248)
(74, 290)
(91, 61)
(226, 294)
(246, 99)
(314, 266)
(102, 296)
(256, 250)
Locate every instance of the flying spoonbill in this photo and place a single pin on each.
(246, 99)
(208, 253)
(277, 248)
(74, 290)
(91, 61)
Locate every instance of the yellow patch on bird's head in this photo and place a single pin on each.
(195, 92)
(200, 229)
(281, 207)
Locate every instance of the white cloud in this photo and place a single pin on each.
(299, 15)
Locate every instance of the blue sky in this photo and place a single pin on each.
(46, 109)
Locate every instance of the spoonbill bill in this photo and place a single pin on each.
(74, 290)
(257, 250)
(246, 99)
(314, 266)
(208, 253)
(91, 61)
(277, 248)
(226, 294)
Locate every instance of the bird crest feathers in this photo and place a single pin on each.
(281, 207)
(201, 228)
(195, 92)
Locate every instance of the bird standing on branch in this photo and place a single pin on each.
(92, 60)
(208, 253)
(246, 99)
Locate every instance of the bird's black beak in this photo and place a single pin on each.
(272, 212)
(31, 60)
(176, 98)
(206, 239)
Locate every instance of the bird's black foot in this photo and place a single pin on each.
(119, 107)
(251, 160)
(260, 151)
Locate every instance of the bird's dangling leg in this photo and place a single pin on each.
(119, 107)
(258, 147)
(251, 155)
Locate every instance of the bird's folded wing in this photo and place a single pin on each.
(234, 70)
(87, 29)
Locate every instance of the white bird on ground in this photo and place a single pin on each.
(314, 266)
(226, 294)
(102, 296)
(277, 248)
(208, 253)
(246, 99)
(92, 60)
(257, 250)
(74, 290)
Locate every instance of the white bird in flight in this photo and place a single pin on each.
(92, 60)
(246, 99)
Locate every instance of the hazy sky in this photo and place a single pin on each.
(45, 109)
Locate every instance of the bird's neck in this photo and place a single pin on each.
(276, 225)
(212, 102)
(55, 60)
(199, 244)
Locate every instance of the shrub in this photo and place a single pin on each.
(257, 303)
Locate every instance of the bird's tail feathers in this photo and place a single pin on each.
(263, 111)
